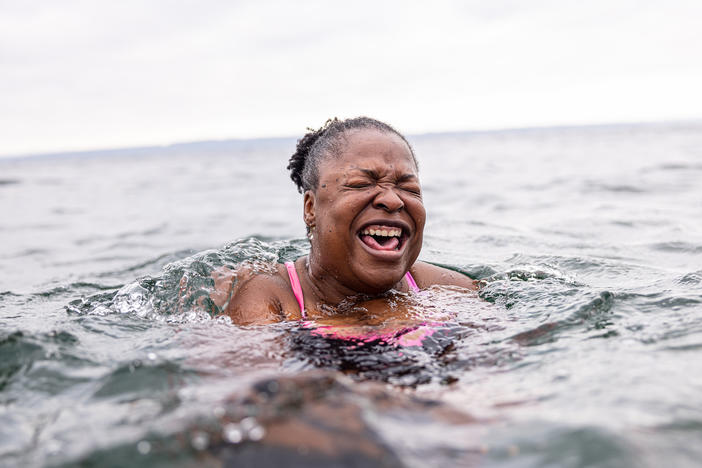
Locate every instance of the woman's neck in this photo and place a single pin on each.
(325, 288)
(324, 285)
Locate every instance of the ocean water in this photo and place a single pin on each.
(583, 347)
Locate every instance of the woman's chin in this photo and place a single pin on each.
(380, 280)
(379, 273)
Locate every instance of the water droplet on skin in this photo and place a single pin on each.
(252, 429)
(257, 433)
(248, 423)
(232, 433)
(186, 393)
(143, 447)
(273, 386)
(53, 447)
(199, 440)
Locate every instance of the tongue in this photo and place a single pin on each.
(391, 243)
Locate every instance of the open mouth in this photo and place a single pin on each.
(383, 237)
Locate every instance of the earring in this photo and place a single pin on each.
(310, 234)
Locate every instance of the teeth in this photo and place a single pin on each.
(383, 232)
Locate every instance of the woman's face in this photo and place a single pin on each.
(367, 212)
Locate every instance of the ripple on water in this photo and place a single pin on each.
(690, 279)
(674, 166)
(551, 445)
(615, 188)
(595, 314)
(71, 289)
(141, 379)
(45, 362)
(677, 247)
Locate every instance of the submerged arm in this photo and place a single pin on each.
(254, 301)
(427, 275)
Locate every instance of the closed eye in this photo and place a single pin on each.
(359, 185)
(414, 189)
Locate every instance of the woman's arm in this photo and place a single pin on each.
(427, 275)
(255, 301)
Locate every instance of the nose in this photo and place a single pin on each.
(388, 200)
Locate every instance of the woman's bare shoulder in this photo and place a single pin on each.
(259, 297)
(426, 275)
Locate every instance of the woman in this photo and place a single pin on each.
(365, 218)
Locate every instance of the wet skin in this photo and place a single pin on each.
(372, 185)
(374, 182)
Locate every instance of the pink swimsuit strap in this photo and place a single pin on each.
(297, 289)
(410, 280)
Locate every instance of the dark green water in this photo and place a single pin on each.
(583, 349)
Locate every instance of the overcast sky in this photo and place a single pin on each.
(100, 74)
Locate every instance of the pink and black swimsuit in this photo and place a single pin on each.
(407, 336)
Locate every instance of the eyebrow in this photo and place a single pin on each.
(407, 177)
(371, 173)
(375, 175)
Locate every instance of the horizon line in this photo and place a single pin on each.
(156, 146)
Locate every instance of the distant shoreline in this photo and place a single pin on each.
(208, 146)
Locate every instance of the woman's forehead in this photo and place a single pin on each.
(361, 151)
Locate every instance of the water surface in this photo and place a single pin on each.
(584, 347)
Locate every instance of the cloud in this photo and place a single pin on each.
(104, 74)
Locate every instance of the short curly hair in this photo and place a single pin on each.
(326, 141)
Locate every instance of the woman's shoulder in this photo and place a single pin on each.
(426, 275)
(260, 296)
